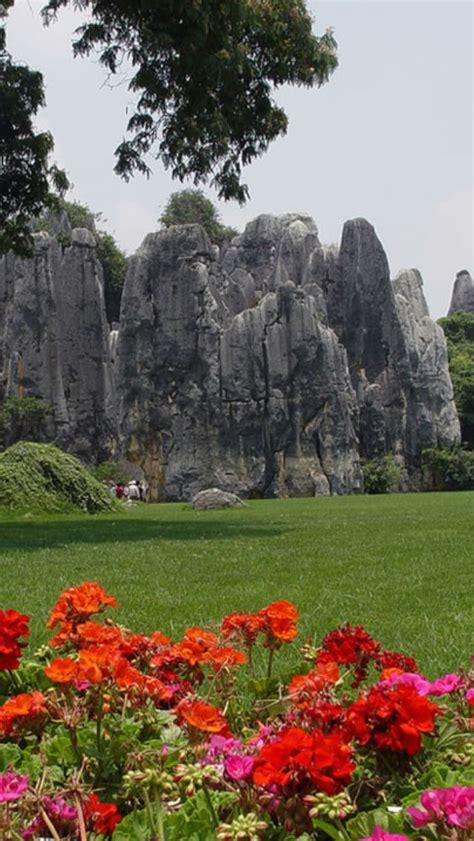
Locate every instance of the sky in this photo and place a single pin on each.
(389, 137)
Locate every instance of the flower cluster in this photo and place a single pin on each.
(13, 626)
(119, 734)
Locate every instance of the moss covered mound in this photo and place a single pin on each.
(40, 477)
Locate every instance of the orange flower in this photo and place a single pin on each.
(158, 638)
(304, 688)
(243, 627)
(200, 636)
(21, 711)
(226, 656)
(97, 664)
(98, 634)
(76, 605)
(281, 620)
(202, 716)
(127, 677)
(190, 651)
(62, 670)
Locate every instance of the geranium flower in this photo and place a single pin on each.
(62, 670)
(22, 712)
(453, 807)
(238, 768)
(305, 761)
(104, 817)
(446, 684)
(350, 646)
(380, 834)
(12, 786)
(244, 628)
(304, 689)
(75, 606)
(13, 625)
(392, 718)
(202, 716)
(280, 622)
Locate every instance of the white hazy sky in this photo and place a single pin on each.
(390, 137)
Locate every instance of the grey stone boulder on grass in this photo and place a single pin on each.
(212, 498)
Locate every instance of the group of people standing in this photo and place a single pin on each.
(134, 491)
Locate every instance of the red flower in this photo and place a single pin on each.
(103, 817)
(13, 625)
(392, 718)
(396, 660)
(304, 762)
(351, 646)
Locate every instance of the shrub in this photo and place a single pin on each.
(111, 471)
(188, 207)
(381, 475)
(459, 331)
(22, 418)
(40, 477)
(451, 470)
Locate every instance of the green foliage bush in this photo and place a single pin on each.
(40, 477)
(191, 207)
(451, 470)
(381, 475)
(111, 471)
(22, 418)
(459, 331)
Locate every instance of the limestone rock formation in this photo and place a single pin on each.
(213, 498)
(271, 368)
(267, 368)
(256, 399)
(54, 341)
(463, 294)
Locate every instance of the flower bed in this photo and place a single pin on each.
(107, 733)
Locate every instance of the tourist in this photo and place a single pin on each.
(119, 490)
(133, 491)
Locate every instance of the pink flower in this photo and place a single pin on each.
(453, 807)
(470, 697)
(420, 682)
(238, 767)
(446, 684)
(379, 834)
(12, 786)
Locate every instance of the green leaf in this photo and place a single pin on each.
(330, 830)
(134, 827)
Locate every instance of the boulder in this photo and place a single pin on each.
(212, 498)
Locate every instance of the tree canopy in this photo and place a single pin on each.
(26, 174)
(204, 74)
(459, 330)
(193, 207)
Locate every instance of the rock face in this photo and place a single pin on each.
(463, 294)
(54, 341)
(269, 368)
(213, 498)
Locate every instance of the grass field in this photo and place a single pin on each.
(401, 565)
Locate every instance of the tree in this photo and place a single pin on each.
(189, 207)
(459, 330)
(26, 174)
(203, 74)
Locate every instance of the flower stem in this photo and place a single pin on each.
(49, 824)
(215, 819)
(149, 811)
(270, 662)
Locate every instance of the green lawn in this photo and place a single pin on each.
(401, 565)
